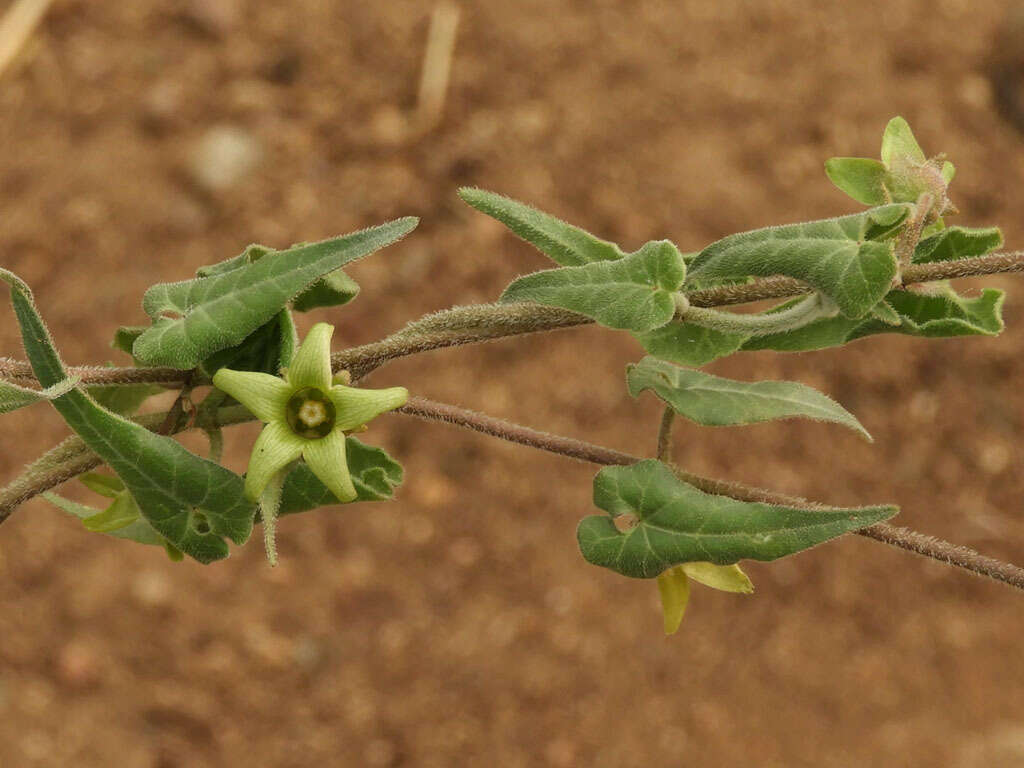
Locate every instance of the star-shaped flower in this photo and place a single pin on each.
(306, 415)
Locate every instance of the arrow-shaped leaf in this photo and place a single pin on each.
(567, 245)
(635, 293)
(190, 501)
(843, 257)
(220, 311)
(689, 344)
(676, 523)
(716, 401)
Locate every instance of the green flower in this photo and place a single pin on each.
(306, 415)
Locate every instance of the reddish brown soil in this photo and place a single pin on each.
(459, 625)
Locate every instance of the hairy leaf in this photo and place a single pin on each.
(841, 257)
(262, 350)
(220, 311)
(567, 245)
(14, 396)
(192, 502)
(956, 243)
(374, 474)
(635, 293)
(689, 344)
(942, 313)
(676, 523)
(899, 144)
(332, 290)
(716, 401)
(861, 178)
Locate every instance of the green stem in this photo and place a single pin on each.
(807, 310)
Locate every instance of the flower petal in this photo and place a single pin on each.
(276, 447)
(265, 395)
(353, 407)
(311, 365)
(326, 459)
(728, 578)
(674, 589)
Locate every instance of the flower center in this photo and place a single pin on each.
(310, 413)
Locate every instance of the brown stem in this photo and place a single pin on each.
(902, 538)
(668, 418)
(472, 325)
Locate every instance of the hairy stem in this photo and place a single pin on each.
(665, 435)
(809, 309)
(902, 538)
(471, 325)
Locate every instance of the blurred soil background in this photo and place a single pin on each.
(459, 625)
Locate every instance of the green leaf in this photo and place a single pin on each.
(139, 530)
(635, 293)
(716, 401)
(861, 178)
(568, 245)
(689, 344)
(14, 396)
(841, 257)
(192, 502)
(124, 399)
(948, 171)
(333, 290)
(259, 351)
(375, 476)
(943, 313)
(219, 311)
(956, 243)
(899, 144)
(125, 336)
(676, 523)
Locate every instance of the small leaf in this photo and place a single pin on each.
(716, 401)
(726, 578)
(676, 523)
(841, 257)
(635, 293)
(375, 476)
(956, 243)
(334, 290)
(861, 178)
(943, 313)
(899, 144)
(689, 344)
(125, 336)
(883, 311)
(139, 531)
(567, 245)
(219, 311)
(14, 396)
(188, 500)
(948, 171)
(674, 590)
(104, 485)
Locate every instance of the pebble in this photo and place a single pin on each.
(223, 157)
